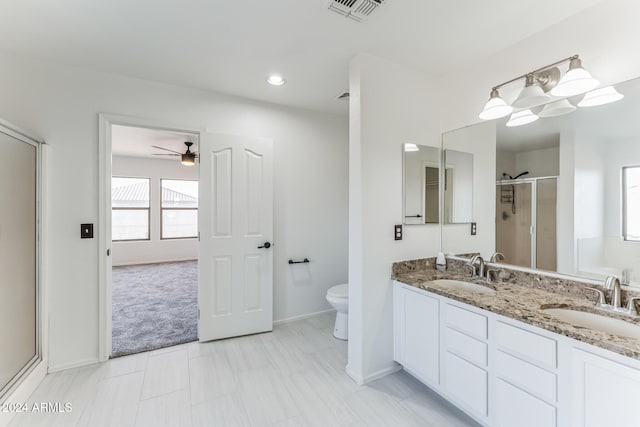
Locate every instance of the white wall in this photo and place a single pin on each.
(538, 163)
(61, 104)
(383, 116)
(154, 249)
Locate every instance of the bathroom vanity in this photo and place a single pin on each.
(494, 351)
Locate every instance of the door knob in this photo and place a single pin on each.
(266, 245)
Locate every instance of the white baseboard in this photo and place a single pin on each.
(24, 390)
(301, 317)
(77, 364)
(360, 380)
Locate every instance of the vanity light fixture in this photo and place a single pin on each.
(576, 81)
(541, 85)
(600, 96)
(531, 95)
(520, 118)
(557, 108)
(276, 80)
(496, 107)
(411, 147)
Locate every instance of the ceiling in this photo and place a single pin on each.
(611, 122)
(138, 142)
(231, 46)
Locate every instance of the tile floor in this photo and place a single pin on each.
(293, 376)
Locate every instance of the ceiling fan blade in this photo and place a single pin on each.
(163, 154)
(166, 149)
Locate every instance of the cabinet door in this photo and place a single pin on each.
(603, 392)
(416, 324)
(515, 407)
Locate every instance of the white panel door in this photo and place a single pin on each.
(235, 257)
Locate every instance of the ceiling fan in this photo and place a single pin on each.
(188, 158)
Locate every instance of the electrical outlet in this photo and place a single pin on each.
(397, 230)
(473, 228)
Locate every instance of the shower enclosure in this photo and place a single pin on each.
(526, 222)
(19, 257)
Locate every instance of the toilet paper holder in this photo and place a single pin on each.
(304, 261)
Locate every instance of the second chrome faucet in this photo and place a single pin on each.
(612, 284)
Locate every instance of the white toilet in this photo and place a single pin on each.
(338, 297)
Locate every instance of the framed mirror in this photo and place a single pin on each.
(565, 195)
(421, 184)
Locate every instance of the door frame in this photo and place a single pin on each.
(105, 122)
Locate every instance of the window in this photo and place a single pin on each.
(129, 208)
(631, 203)
(179, 218)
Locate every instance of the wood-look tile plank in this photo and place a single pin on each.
(210, 377)
(166, 373)
(223, 411)
(115, 402)
(168, 410)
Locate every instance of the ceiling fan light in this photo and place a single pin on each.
(576, 81)
(557, 108)
(520, 118)
(600, 96)
(188, 159)
(411, 147)
(531, 95)
(495, 108)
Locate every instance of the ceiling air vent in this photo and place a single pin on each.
(358, 10)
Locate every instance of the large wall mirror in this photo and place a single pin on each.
(19, 331)
(566, 190)
(421, 184)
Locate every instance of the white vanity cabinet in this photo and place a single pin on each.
(465, 356)
(416, 333)
(505, 373)
(604, 392)
(525, 379)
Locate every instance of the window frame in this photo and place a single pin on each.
(148, 209)
(624, 203)
(162, 209)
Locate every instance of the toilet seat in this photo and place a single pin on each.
(339, 291)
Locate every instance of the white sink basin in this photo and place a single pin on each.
(596, 322)
(463, 286)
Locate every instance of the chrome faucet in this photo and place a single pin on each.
(612, 283)
(497, 256)
(479, 271)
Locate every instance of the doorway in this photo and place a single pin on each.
(154, 239)
(235, 231)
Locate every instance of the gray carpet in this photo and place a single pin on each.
(154, 306)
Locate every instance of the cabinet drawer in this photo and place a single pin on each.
(466, 321)
(466, 383)
(530, 345)
(466, 347)
(526, 376)
(514, 407)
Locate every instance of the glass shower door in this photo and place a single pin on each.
(18, 259)
(513, 222)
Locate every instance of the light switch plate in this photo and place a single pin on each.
(86, 231)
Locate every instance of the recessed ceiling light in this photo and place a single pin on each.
(276, 80)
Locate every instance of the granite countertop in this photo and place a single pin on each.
(523, 297)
